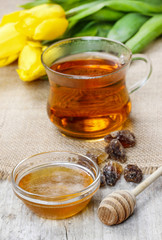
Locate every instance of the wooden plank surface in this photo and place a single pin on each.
(17, 222)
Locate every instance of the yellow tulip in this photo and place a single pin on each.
(44, 22)
(29, 63)
(10, 18)
(11, 43)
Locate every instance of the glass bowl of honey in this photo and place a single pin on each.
(56, 185)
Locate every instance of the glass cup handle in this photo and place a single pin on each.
(142, 82)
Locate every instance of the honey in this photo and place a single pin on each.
(89, 109)
(59, 183)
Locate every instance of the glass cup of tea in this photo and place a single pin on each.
(88, 95)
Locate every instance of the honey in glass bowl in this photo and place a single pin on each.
(58, 186)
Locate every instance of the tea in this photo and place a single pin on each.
(94, 105)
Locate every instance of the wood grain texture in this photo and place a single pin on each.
(113, 210)
(17, 222)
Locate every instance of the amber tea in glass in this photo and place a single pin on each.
(88, 94)
(89, 110)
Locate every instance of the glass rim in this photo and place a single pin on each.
(55, 200)
(85, 38)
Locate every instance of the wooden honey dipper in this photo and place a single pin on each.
(119, 205)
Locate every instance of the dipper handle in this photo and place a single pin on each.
(147, 182)
(118, 206)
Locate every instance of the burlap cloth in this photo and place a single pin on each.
(25, 128)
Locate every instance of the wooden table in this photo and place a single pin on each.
(17, 222)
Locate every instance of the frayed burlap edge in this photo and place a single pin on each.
(4, 175)
(149, 170)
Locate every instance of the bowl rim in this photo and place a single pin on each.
(57, 200)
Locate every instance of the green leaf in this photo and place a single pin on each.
(88, 30)
(134, 6)
(142, 7)
(103, 29)
(106, 14)
(127, 26)
(81, 7)
(35, 3)
(86, 12)
(93, 29)
(150, 30)
(154, 2)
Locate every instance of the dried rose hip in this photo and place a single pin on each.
(116, 151)
(102, 180)
(112, 172)
(126, 138)
(132, 173)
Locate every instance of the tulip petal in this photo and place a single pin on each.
(50, 29)
(11, 41)
(29, 63)
(44, 48)
(8, 60)
(11, 18)
(45, 11)
(43, 22)
(27, 25)
(34, 44)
